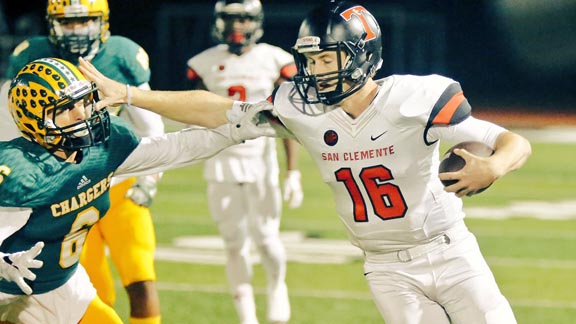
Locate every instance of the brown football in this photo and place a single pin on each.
(451, 162)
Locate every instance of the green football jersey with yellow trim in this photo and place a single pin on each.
(119, 58)
(66, 200)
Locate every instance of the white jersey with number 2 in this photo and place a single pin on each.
(247, 77)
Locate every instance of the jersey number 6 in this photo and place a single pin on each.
(73, 241)
(386, 199)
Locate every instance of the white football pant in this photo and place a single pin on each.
(450, 284)
(250, 213)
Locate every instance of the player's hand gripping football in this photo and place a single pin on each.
(113, 93)
(477, 174)
(16, 267)
(252, 123)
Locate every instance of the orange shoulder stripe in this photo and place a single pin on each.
(288, 71)
(446, 113)
(191, 74)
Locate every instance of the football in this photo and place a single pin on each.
(451, 162)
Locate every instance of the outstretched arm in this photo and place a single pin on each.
(194, 107)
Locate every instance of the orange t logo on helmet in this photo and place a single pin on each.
(358, 11)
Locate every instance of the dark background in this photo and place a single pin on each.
(505, 53)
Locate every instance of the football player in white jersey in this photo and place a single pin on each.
(243, 191)
(376, 143)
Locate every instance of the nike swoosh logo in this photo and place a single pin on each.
(377, 137)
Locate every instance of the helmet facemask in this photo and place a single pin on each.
(76, 37)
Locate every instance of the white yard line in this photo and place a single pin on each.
(210, 250)
(532, 263)
(558, 210)
(345, 295)
(551, 134)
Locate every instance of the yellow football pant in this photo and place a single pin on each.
(128, 232)
(98, 312)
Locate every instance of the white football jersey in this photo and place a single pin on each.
(247, 77)
(382, 166)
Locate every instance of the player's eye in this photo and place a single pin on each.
(327, 61)
(87, 99)
(75, 21)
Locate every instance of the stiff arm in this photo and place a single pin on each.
(193, 107)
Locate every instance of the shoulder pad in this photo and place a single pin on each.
(451, 108)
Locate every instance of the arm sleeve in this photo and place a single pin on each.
(11, 220)
(173, 150)
(144, 122)
(471, 129)
(8, 129)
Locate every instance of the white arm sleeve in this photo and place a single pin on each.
(471, 129)
(144, 122)
(8, 129)
(173, 150)
(11, 220)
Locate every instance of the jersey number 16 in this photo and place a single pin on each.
(386, 198)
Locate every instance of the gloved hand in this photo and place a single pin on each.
(253, 123)
(143, 191)
(15, 266)
(238, 110)
(293, 193)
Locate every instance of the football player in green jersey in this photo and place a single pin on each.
(80, 28)
(55, 181)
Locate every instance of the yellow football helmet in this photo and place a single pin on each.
(45, 87)
(78, 27)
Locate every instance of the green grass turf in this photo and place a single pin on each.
(534, 261)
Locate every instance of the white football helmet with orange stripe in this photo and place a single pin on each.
(247, 31)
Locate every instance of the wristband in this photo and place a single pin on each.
(235, 113)
(128, 95)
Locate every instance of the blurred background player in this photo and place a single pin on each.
(243, 190)
(80, 28)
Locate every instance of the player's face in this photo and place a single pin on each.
(325, 62)
(73, 23)
(80, 26)
(73, 113)
(236, 27)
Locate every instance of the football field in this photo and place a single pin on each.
(525, 224)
